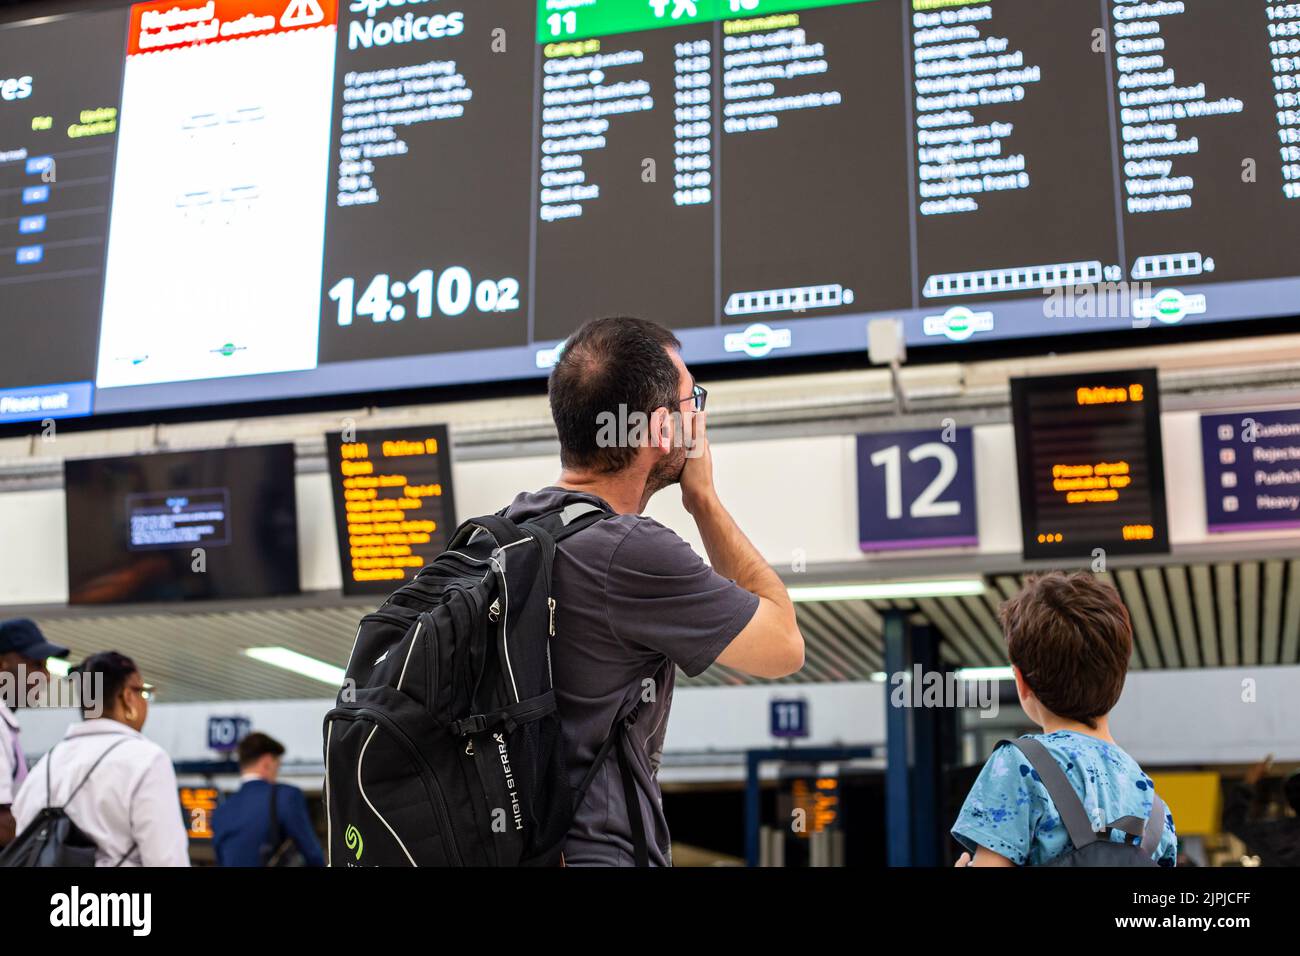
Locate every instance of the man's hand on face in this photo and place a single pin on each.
(697, 475)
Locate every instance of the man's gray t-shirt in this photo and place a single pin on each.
(633, 603)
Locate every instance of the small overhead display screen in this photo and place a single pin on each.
(393, 503)
(217, 523)
(1090, 464)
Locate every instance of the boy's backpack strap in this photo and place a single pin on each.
(1150, 830)
(1155, 827)
(1059, 788)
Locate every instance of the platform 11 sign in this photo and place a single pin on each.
(916, 490)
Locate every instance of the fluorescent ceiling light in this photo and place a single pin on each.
(985, 673)
(289, 660)
(890, 591)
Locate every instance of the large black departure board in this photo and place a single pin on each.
(221, 201)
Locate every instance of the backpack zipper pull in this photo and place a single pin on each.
(550, 603)
(494, 612)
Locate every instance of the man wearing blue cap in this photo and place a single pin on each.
(23, 651)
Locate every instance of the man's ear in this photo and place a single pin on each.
(661, 430)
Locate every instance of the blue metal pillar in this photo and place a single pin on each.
(927, 759)
(898, 772)
(752, 806)
(919, 744)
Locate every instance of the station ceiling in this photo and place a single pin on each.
(1221, 614)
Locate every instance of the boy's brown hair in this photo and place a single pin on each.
(1070, 636)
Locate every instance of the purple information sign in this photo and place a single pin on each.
(1252, 470)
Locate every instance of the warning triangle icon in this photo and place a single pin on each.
(302, 13)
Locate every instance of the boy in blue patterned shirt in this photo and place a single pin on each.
(1069, 641)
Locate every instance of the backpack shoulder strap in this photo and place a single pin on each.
(550, 529)
(93, 767)
(1059, 788)
(569, 520)
(1155, 827)
(617, 741)
(632, 800)
(502, 529)
(1149, 831)
(274, 817)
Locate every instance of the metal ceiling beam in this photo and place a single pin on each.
(1290, 651)
(1248, 612)
(1206, 619)
(1225, 594)
(1184, 616)
(1271, 627)
(1153, 586)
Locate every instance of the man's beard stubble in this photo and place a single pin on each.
(668, 471)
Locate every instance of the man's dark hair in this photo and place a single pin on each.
(257, 745)
(1070, 636)
(607, 363)
(114, 670)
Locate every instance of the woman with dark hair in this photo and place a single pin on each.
(118, 787)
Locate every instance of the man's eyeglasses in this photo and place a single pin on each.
(699, 395)
(146, 691)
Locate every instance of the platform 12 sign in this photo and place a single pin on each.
(916, 490)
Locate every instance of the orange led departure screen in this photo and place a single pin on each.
(1090, 463)
(197, 803)
(393, 504)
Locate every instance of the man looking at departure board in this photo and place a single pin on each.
(633, 601)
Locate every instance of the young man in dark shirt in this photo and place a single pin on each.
(633, 601)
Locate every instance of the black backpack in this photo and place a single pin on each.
(444, 747)
(52, 839)
(1093, 847)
